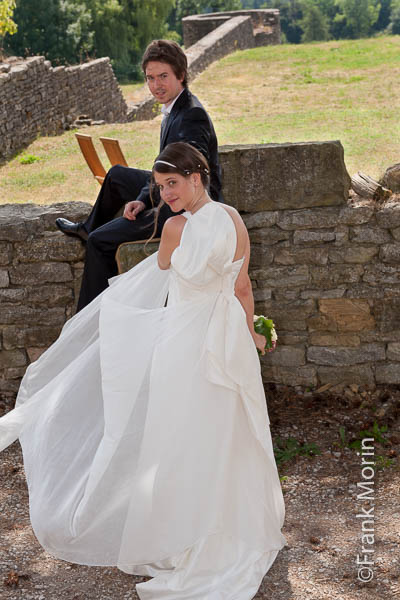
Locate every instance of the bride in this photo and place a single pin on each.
(144, 427)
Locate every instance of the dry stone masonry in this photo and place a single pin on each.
(266, 28)
(324, 266)
(38, 99)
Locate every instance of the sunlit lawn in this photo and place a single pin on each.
(347, 90)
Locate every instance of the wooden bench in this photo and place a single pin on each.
(113, 151)
(128, 254)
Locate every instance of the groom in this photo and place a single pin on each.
(184, 120)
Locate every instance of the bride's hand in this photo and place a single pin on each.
(260, 342)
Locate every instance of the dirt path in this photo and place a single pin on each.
(321, 526)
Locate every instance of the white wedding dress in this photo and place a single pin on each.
(145, 431)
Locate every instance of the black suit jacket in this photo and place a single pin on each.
(189, 122)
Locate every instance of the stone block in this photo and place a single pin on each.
(265, 218)
(299, 256)
(286, 356)
(12, 295)
(12, 231)
(391, 292)
(260, 256)
(313, 237)
(334, 339)
(341, 235)
(364, 291)
(367, 234)
(51, 247)
(5, 253)
(4, 278)
(393, 351)
(308, 219)
(21, 336)
(15, 372)
(268, 237)
(336, 293)
(8, 388)
(25, 315)
(34, 353)
(349, 314)
(343, 356)
(387, 314)
(353, 254)
(285, 295)
(39, 273)
(388, 373)
(378, 274)
(260, 295)
(356, 214)
(305, 376)
(290, 339)
(49, 295)
(359, 374)
(333, 275)
(282, 276)
(290, 316)
(391, 178)
(12, 358)
(390, 253)
(389, 215)
(321, 323)
(396, 233)
(268, 177)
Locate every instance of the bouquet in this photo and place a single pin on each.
(266, 328)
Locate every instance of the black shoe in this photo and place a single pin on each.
(70, 228)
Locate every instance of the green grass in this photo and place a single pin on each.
(346, 90)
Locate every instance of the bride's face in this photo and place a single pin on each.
(178, 191)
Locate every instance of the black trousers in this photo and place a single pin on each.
(105, 233)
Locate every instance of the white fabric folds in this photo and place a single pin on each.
(145, 431)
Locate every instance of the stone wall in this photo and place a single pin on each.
(38, 99)
(324, 266)
(265, 24)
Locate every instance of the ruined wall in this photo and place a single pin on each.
(325, 267)
(265, 24)
(38, 99)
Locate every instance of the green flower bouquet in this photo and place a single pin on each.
(265, 327)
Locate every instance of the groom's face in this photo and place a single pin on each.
(162, 82)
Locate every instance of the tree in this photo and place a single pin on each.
(66, 31)
(7, 25)
(358, 16)
(384, 16)
(123, 28)
(314, 24)
(291, 13)
(59, 29)
(394, 26)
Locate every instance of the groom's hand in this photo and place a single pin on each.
(133, 208)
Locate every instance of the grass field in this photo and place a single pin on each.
(346, 90)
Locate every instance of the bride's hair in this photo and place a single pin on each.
(182, 158)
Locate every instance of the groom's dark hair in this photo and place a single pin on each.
(167, 51)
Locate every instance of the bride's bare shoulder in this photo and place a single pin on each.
(234, 214)
(174, 225)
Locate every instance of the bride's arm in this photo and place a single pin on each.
(244, 294)
(170, 239)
